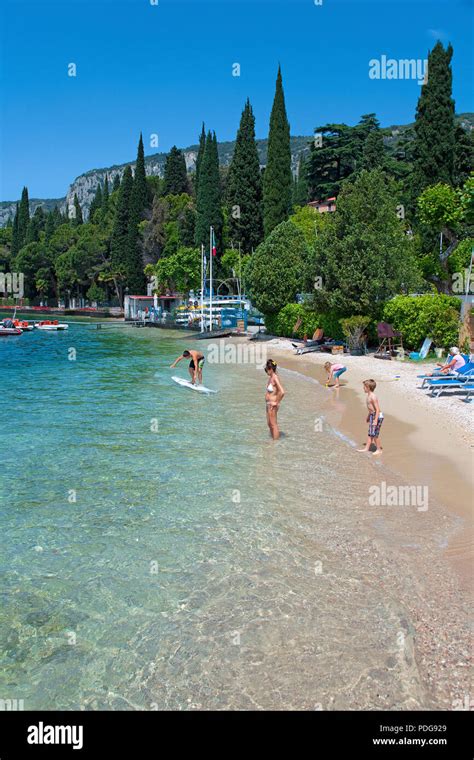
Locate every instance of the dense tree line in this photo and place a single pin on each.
(402, 214)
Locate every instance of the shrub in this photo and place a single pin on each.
(436, 316)
(284, 321)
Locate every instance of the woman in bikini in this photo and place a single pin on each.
(273, 396)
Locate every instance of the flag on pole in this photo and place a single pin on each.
(213, 244)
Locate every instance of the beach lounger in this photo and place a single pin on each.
(439, 386)
(318, 347)
(418, 356)
(438, 375)
(317, 340)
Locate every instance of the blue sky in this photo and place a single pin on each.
(165, 68)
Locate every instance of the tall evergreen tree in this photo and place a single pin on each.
(23, 217)
(434, 145)
(135, 277)
(120, 231)
(331, 160)
(202, 146)
(77, 219)
(278, 179)
(209, 211)
(244, 187)
(105, 195)
(140, 187)
(176, 176)
(15, 237)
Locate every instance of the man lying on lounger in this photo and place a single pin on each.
(195, 365)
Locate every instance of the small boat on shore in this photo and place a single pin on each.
(50, 325)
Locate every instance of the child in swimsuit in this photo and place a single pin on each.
(374, 418)
(334, 372)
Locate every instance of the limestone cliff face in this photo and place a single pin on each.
(7, 208)
(85, 185)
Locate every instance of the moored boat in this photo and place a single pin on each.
(7, 330)
(50, 325)
(23, 325)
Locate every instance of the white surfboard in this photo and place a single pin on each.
(188, 384)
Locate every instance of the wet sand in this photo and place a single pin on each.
(417, 446)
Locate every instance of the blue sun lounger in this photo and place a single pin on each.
(447, 376)
(468, 388)
(439, 386)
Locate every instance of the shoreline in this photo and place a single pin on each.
(417, 435)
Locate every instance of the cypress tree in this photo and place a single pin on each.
(140, 187)
(105, 195)
(116, 183)
(434, 145)
(208, 205)
(120, 230)
(278, 179)
(202, 146)
(77, 218)
(15, 237)
(244, 187)
(134, 258)
(176, 176)
(23, 218)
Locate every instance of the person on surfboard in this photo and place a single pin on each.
(195, 365)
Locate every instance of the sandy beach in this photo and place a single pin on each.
(419, 433)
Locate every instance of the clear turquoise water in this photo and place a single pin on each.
(201, 566)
